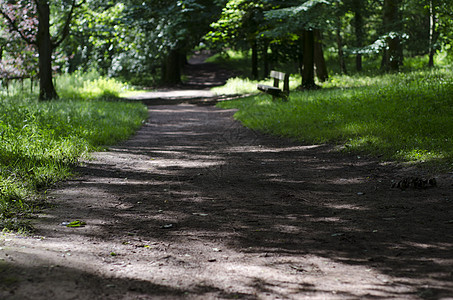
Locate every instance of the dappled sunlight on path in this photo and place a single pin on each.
(196, 206)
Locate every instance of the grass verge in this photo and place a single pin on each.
(405, 117)
(41, 141)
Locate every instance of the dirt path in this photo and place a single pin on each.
(195, 206)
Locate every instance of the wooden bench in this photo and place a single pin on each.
(275, 91)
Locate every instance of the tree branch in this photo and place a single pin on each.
(14, 27)
(65, 31)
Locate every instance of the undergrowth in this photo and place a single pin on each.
(405, 117)
(41, 141)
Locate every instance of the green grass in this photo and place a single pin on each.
(405, 117)
(240, 86)
(89, 86)
(42, 141)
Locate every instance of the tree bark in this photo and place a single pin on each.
(358, 26)
(320, 62)
(266, 70)
(432, 33)
(308, 72)
(254, 59)
(300, 56)
(44, 44)
(340, 52)
(392, 58)
(172, 68)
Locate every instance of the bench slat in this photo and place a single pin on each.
(278, 75)
(264, 87)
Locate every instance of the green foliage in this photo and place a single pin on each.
(89, 85)
(238, 24)
(41, 142)
(303, 15)
(407, 117)
(132, 39)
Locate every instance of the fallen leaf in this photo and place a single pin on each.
(76, 223)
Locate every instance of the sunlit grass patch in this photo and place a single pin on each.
(420, 155)
(407, 117)
(90, 85)
(237, 85)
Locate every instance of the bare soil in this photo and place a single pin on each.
(196, 206)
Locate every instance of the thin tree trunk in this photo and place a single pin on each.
(392, 58)
(183, 59)
(432, 32)
(340, 52)
(308, 73)
(358, 26)
(320, 63)
(44, 43)
(265, 59)
(358, 62)
(300, 56)
(254, 59)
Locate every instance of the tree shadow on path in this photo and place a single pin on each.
(215, 210)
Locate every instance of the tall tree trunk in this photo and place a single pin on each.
(358, 26)
(265, 59)
(340, 52)
(432, 33)
(308, 72)
(393, 56)
(320, 62)
(172, 68)
(300, 56)
(44, 43)
(254, 59)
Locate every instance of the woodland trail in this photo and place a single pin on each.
(195, 206)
